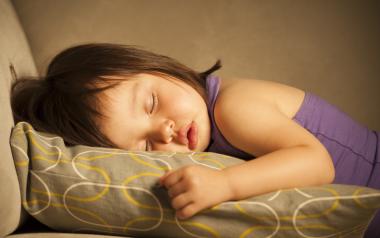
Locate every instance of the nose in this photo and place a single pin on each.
(164, 131)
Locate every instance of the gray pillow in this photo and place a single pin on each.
(111, 191)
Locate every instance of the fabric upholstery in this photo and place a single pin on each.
(111, 191)
(15, 60)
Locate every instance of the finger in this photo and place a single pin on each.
(172, 178)
(186, 212)
(177, 189)
(180, 201)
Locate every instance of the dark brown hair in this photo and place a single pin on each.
(65, 101)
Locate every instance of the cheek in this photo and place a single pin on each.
(181, 104)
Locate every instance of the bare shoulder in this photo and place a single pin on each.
(286, 98)
(256, 115)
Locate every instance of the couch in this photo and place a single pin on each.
(15, 60)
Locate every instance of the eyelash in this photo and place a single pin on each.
(155, 99)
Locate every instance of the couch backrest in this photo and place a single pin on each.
(15, 60)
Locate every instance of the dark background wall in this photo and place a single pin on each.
(328, 47)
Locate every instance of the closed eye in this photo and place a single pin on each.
(148, 146)
(154, 103)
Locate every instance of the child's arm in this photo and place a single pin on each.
(297, 166)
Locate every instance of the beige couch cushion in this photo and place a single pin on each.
(15, 58)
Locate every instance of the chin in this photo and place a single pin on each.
(203, 147)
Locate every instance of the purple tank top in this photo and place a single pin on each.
(353, 147)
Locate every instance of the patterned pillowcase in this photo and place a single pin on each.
(110, 191)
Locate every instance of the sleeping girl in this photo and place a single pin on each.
(125, 97)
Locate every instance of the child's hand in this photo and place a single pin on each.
(194, 188)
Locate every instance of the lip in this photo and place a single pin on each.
(192, 136)
(183, 134)
(188, 135)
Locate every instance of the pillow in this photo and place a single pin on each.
(111, 191)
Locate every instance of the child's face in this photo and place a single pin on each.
(149, 112)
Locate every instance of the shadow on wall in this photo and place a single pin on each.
(326, 47)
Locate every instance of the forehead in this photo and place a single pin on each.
(153, 78)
